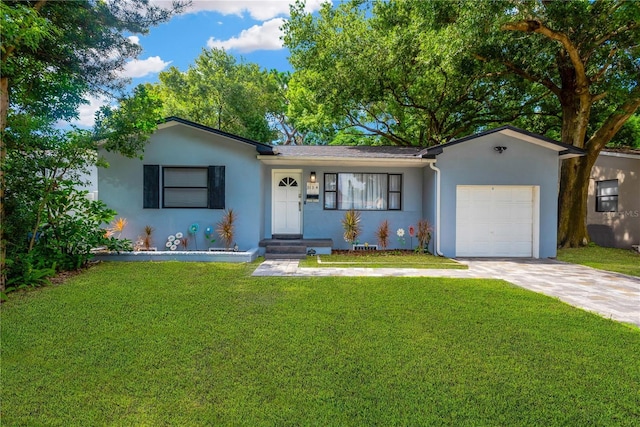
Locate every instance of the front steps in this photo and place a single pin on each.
(291, 246)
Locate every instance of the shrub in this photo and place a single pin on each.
(226, 228)
(423, 235)
(382, 234)
(351, 226)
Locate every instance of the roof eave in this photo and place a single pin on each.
(329, 161)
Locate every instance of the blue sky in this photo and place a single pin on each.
(248, 29)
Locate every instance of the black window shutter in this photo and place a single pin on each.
(216, 187)
(151, 187)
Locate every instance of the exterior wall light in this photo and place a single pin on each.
(312, 177)
(500, 148)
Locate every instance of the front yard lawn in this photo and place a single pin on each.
(610, 259)
(207, 344)
(380, 259)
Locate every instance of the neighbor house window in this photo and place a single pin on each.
(363, 191)
(184, 187)
(607, 196)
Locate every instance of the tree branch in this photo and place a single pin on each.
(532, 78)
(605, 67)
(535, 26)
(614, 122)
(598, 97)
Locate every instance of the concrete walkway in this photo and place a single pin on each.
(612, 295)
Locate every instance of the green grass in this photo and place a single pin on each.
(381, 260)
(611, 259)
(206, 344)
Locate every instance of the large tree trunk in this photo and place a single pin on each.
(572, 201)
(4, 110)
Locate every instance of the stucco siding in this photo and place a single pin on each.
(477, 163)
(624, 224)
(121, 186)
(320, 223)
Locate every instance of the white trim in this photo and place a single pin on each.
(532, 139)
(273, 196)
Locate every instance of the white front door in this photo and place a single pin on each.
(287, 202)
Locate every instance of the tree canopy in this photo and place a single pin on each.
(220, 92)
(53, 54)
(401, 71)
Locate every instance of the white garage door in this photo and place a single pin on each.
(495, 221)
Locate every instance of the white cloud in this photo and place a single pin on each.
(143, 67)
(259, 37)
(260, 10)
(86, 112)
(134, 39)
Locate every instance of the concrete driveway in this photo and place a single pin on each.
(612, 295)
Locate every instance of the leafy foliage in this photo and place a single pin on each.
(351, 226)
(400, 71)
(219, 92)
(53, 55)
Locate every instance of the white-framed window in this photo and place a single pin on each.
(607, 196)
(362, 191)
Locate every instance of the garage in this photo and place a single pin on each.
(496, 221)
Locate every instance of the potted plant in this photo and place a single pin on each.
(146, 239)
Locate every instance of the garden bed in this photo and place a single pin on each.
(380, 259)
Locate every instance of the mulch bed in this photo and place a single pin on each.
(379, 252)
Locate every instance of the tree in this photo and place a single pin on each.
(400, 71)
(51, 224)
(290, 134)
(221, 93)
(52, 54)
(586, 58)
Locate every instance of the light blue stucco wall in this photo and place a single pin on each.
(476, 162)
(121, 186)
(320, 223)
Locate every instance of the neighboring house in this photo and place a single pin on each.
(491, 194)
(613, 207)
